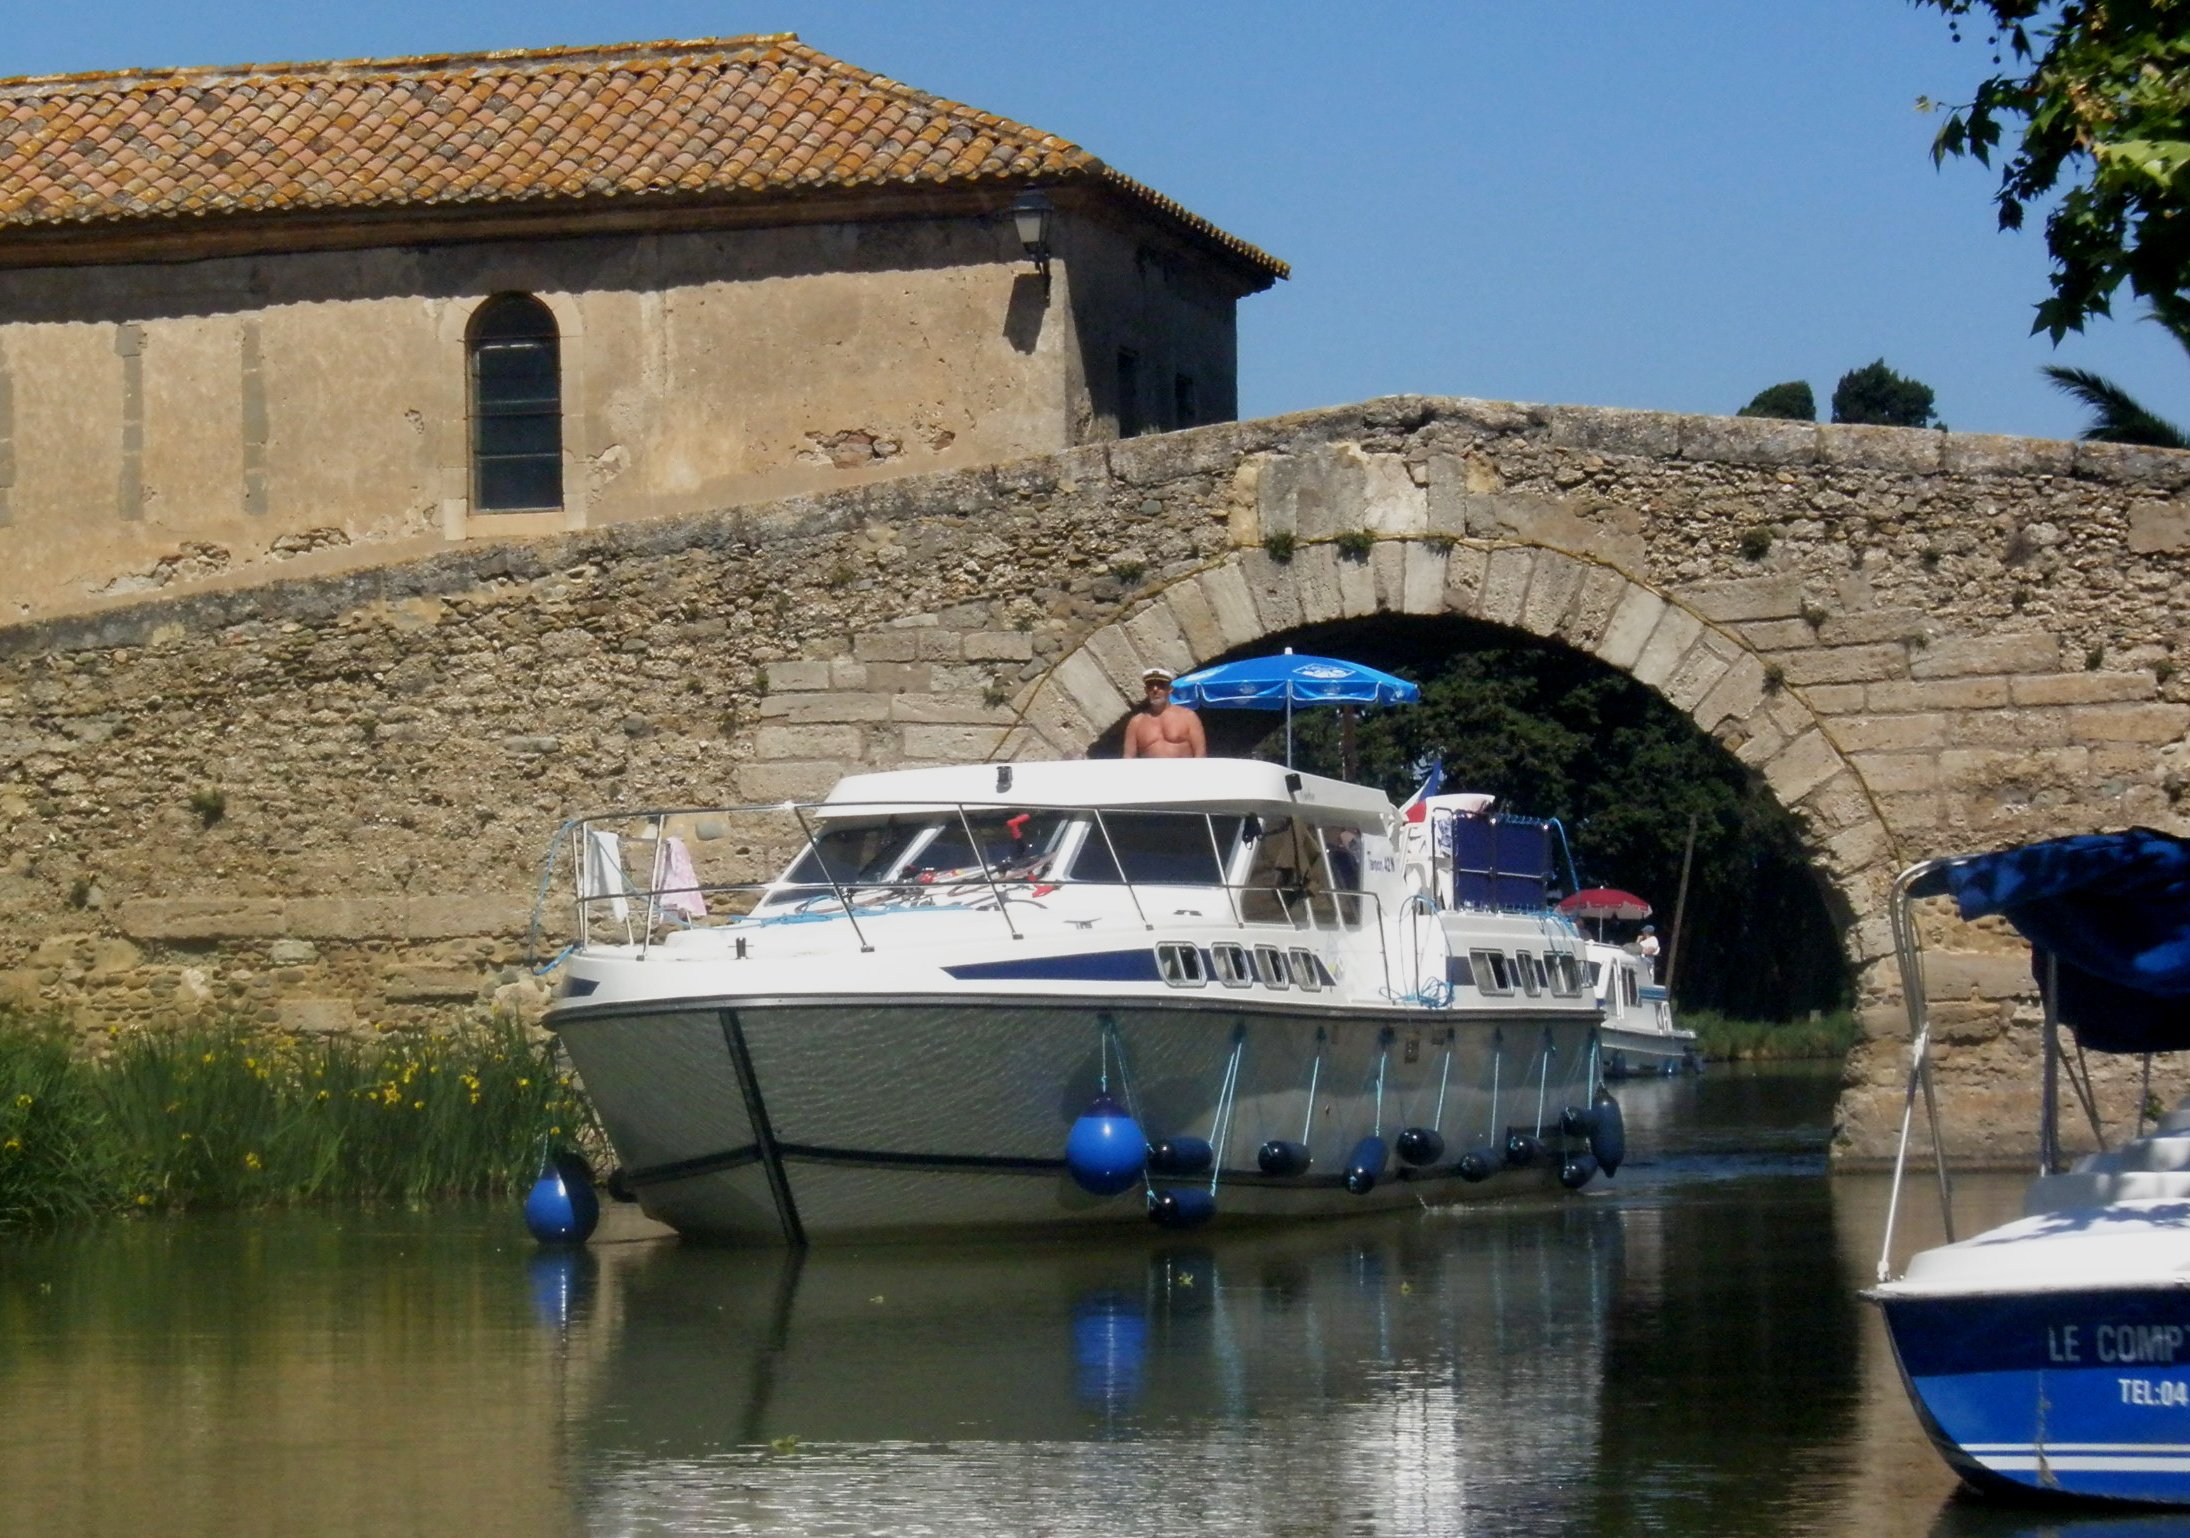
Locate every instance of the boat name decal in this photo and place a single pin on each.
(2160, 1343)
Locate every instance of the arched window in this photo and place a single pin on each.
(516, 406)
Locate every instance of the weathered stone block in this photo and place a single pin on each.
(1196, 620)
(941, 645)
(1900, 450)
(2158, 526)
(1987, 454)
(428, 985)
(2082, 688)
(886, 646)
(1112, 650)
(999, 646)
(1271, 582)
(1465, 569)
(1799, 768)
(200, 918)
(1156, 637)
(1836, 699)
(1551, 591)
(843, 743)
(1356, 588)
(2038, 728)
(1842, 664)
(766, 783)
(1938, 694)
(1890, 734)
(1594, 605)
(1748, 440)
(2129, 723)
(1897, 773)
(1959, 656)
(1630, 627)
(2131, 464)
(1387, 562)
(1232, 603)
(1090, 689)
(292, 953)
(947, 710)
(952, 744)
(316, 1017)
(1742, 599)
(831, 706)
(1604, 430)
(1734, 696)
(795, 676)
(363, 917)
(1977, 975)
(1676, 631)
(1422, 580)
(1505, 585)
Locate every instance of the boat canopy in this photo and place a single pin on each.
(2114, 910)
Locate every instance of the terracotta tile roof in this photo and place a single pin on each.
(722, 120)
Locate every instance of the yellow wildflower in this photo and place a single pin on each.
(323, 1094)
(555, 1132)
(12, 1145)
(207, 1058)
(186, 1137)
(24, 1101)
(251, 1162)
(143, 1200)
(475, 1097)
(418, 1105)
(524, 1083)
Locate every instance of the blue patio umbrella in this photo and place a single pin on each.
(1288, 680)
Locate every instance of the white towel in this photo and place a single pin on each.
(602, 872)
(680, 885)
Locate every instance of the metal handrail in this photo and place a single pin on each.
(1908, 952)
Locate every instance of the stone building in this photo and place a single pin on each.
(292, 320)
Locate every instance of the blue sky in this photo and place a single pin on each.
(1665, 204)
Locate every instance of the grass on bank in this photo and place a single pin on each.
(224, 1116)
(1721, 1036)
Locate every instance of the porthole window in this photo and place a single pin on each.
(1270, 962)
(515, 356)
(1530, 973)
(1493, 973)
(1308, 972)
(1233, 968)
(1181, 965)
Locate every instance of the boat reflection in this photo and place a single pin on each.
(1439, 1373)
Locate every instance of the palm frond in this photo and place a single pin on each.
(2117, 417)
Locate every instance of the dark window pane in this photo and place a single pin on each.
(1129, 393)
(1152, 846)
(507, 484)
(511, 371)
(533, 434)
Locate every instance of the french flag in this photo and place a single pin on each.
(1417, 806)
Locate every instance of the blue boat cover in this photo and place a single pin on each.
(2114, 908)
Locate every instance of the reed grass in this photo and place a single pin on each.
(225, 1116)
(1725, 1038)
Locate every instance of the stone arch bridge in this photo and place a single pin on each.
(321, 803)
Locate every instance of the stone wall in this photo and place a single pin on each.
(324, 803)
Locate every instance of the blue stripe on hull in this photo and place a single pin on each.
(2083, 1394)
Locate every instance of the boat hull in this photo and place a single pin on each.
(1647, 1054)
(790, 1120)
(2080, 1393)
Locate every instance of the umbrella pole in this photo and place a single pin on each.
(1288, 725)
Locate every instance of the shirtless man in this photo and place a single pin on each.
(1161, 729)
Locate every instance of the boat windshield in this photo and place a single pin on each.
(1161, 848)
(1006, 844)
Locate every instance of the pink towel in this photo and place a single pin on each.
(680, 885)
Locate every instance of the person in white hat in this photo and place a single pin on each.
(1160, 729)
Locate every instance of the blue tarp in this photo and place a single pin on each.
(2114, 908)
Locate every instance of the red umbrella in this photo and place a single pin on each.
(1603, 902)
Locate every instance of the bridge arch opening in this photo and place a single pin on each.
(1555, 731)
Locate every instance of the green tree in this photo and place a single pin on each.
(1557, 734)
(2099, 91)
(1875, 395)
(1791, 402)
(2116, 416)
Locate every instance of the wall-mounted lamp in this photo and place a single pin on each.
(1030, 216)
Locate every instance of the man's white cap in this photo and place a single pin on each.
(1153, 675)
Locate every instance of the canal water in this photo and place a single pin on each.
(1677, 1351)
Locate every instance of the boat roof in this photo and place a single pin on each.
(1181, 784)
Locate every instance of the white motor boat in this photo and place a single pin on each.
(1050, 995)
(2051, 1356)
(1473, 854)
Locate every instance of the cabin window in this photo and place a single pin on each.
(1309, 973)
(1530, 971)
(1458, 972)
(1181, 965)
(1232, 967)
(515, 357)
(1627, 985)
(1493, 974)
(1270, 963)
(1164, 848)
(1566, 973)
(1596, 973)
(1008, 845)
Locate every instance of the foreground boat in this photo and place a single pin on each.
(2051, 1355)
(1051, 995)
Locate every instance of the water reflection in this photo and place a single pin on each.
(1679, 1351)
(1425, 1375)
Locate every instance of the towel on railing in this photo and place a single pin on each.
(601, 873)
(680, 885)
